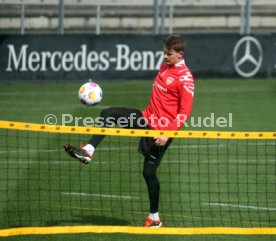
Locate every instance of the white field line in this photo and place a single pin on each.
(135, 148)
(94, 162)
(132, 161)
(28, 162)
(72, 93)
(60, 107)
(26, 150)
(97, 195)
(221, 161)
(29, 150)
(240, 206)
(193, 146)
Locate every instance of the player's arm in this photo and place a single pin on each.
(186, 96)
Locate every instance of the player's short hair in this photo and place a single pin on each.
(175, 42)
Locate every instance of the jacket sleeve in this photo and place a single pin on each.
(186, 95)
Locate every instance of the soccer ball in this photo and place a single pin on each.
(90, 94)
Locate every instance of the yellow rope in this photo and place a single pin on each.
(135, 132)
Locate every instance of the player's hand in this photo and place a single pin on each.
(161, 141)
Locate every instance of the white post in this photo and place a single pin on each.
(22, 18)
(155, 16)
(248, 17)
(171, 20)
(98, 20)
(61, 16)
(163, 16)
(245, 18)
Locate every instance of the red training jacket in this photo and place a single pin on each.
(171, 100)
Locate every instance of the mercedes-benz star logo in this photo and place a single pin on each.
(248, 56)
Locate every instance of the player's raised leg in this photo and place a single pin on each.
(108, 118)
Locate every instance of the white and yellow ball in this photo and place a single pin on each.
(90, 94)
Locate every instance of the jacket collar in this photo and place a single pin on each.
(179, 64)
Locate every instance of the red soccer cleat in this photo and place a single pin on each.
(149, 223)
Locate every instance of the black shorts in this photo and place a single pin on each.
(150, 150)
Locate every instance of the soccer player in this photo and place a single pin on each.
(169, 107)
